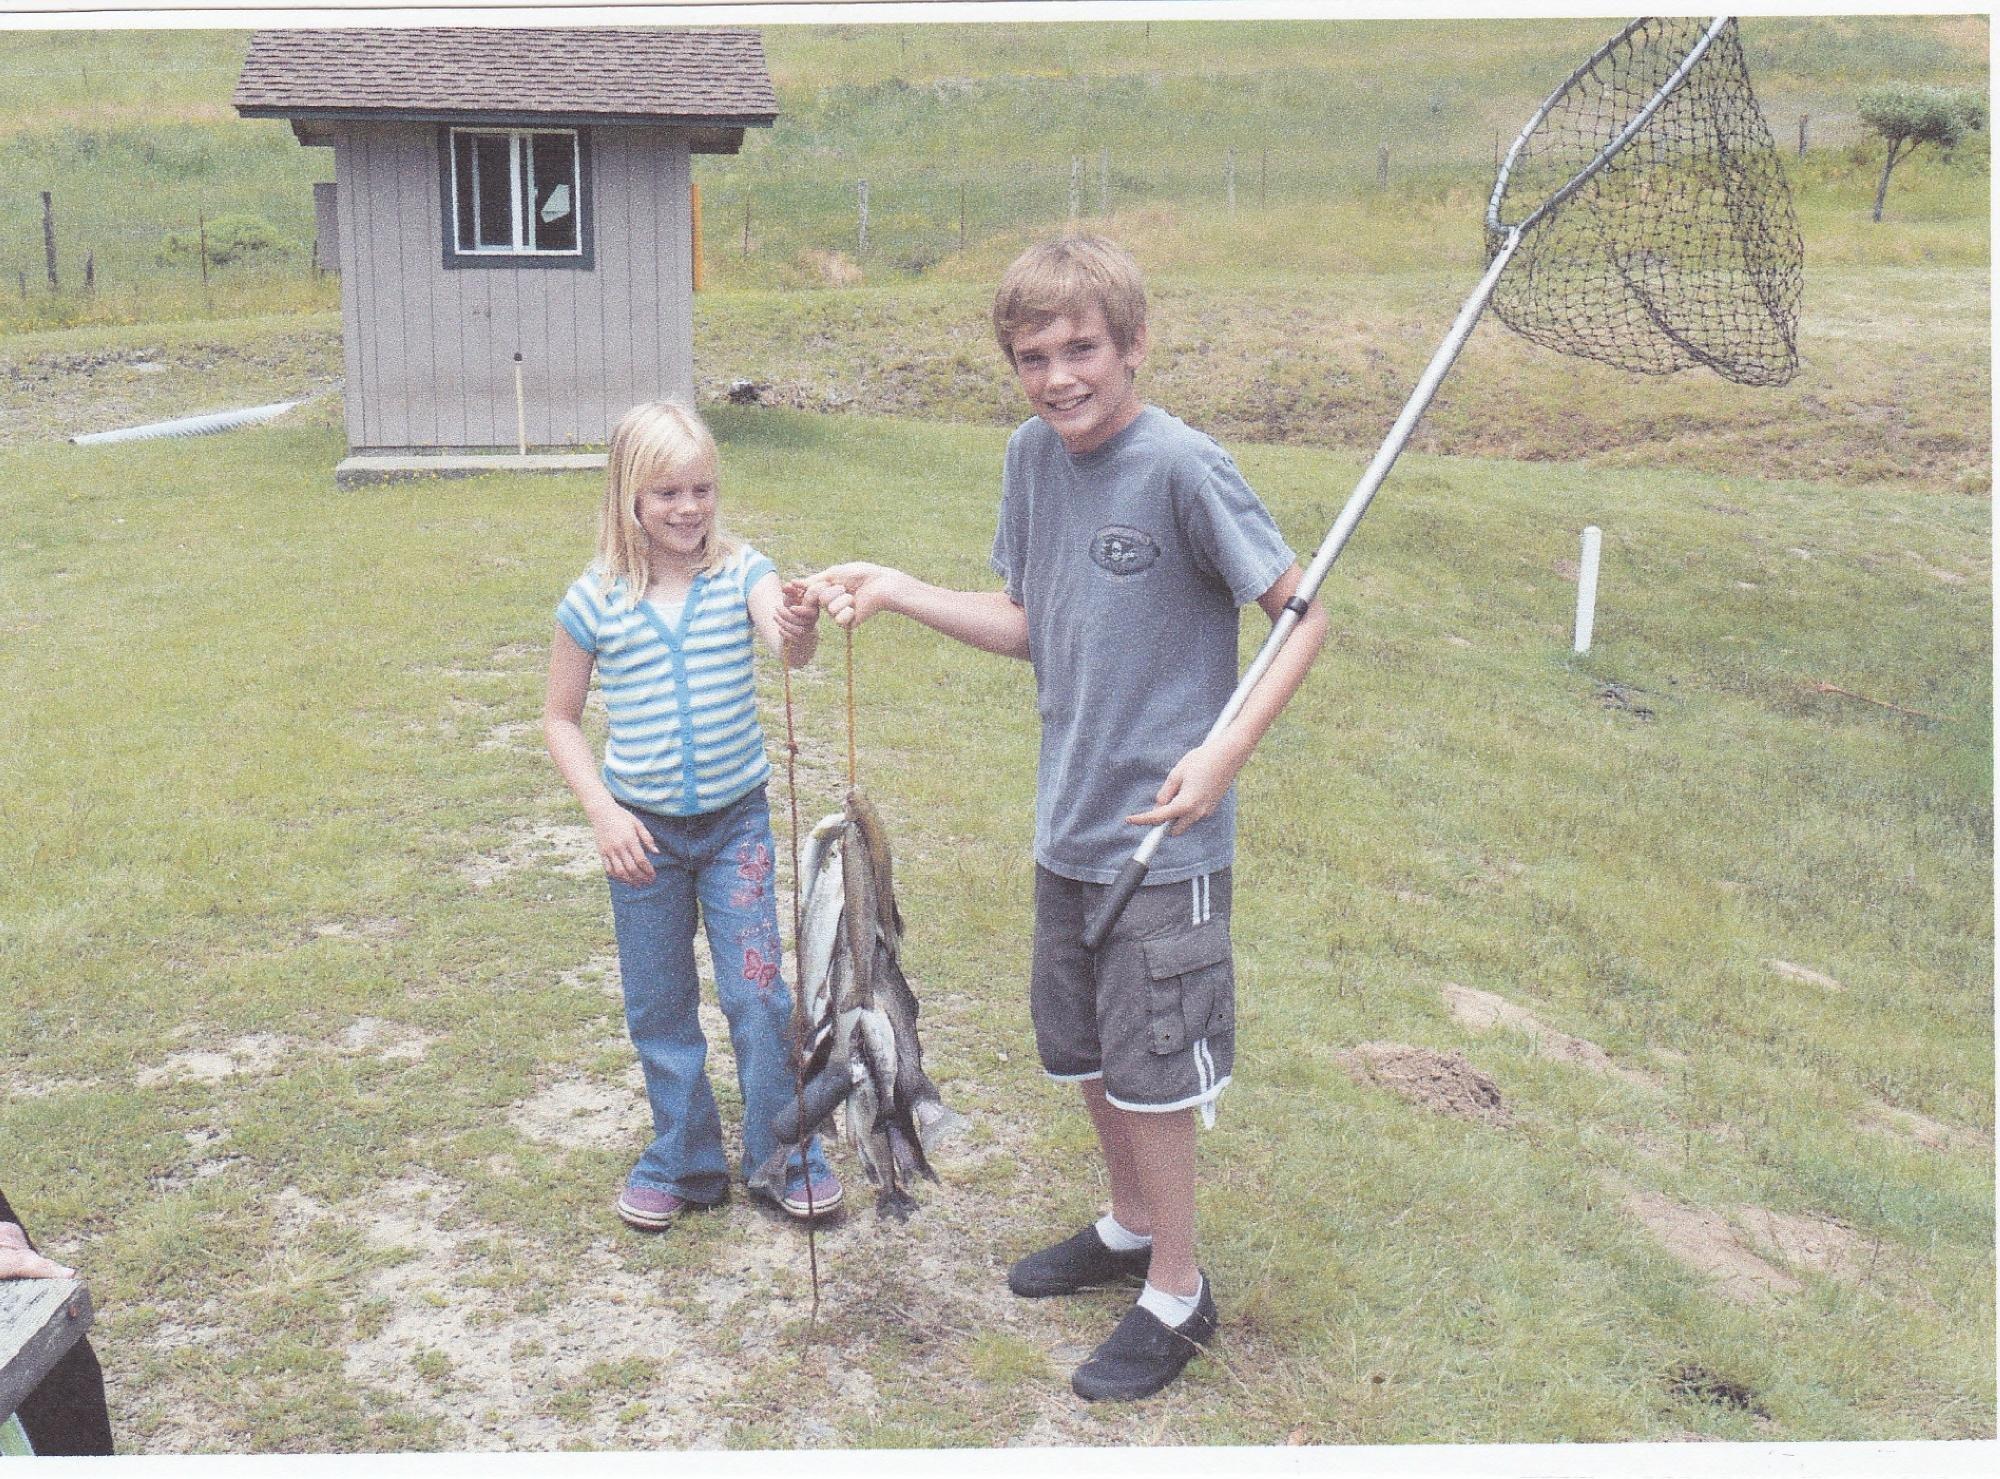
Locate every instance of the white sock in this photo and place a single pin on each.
(1171, 1309)
(1119, 1238)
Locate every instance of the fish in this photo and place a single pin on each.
(859, 1014)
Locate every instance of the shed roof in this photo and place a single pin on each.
(714, 78)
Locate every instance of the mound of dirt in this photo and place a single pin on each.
(1443, 1082)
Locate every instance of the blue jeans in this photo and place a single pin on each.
(724, 862)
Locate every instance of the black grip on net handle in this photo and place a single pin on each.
(1098, 928)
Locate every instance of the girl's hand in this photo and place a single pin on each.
(1194, 787)
(623, 842)
(798, 614)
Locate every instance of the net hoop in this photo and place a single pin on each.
(1647, 213)
(1610, 150)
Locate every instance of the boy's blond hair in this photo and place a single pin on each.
(1065, 278)
(659, 439)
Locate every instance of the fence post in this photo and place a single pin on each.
(1382, 167)
(746, 223)
(861, 229)
(201, 246)
(24, 284)
(1075, 186)
(961, 215)
(1586, 588)
(695, 283)
(90, 271)
(49, 236)
(1802, 134)
(1229, 177)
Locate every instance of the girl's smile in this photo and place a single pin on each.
(677, 511)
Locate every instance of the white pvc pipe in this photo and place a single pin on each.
(188, 426)
(1586, 587)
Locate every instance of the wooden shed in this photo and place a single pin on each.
(510, 192)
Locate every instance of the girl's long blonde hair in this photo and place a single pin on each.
(657, 440)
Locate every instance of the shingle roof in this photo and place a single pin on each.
(439, 72)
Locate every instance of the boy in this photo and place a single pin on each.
(1127, 544)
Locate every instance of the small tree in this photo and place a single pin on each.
(1906, 115)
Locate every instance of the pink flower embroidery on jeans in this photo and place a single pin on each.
(758, 971)
(753, 866)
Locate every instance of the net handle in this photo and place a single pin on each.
(1610, 150)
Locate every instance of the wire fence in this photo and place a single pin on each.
(817, 210)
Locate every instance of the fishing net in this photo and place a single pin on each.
(1681, 249)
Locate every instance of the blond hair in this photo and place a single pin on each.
(654, 441)
(1065, 278)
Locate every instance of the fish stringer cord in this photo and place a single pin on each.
(853, 775)
(800, 1027)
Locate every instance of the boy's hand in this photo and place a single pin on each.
(1194, 787)
(623, 842)
(852, 593)
(798, 613)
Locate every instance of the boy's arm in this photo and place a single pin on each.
(622, 841)
(988, 620)
(1197, 784)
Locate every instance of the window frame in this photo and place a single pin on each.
(520, 195)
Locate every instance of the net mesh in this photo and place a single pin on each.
(1683, 250)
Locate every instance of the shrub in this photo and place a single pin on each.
(233, 238)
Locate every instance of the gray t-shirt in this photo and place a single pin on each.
(1131, 563)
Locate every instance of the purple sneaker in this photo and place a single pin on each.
(825, 1196)
(648, 1208)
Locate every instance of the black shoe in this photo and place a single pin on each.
(1081, 1262)
(1143, 1354)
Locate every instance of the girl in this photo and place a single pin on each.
(665, 615)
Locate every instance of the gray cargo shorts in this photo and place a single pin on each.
(1153, 1012)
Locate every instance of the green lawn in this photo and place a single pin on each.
(313, 1070)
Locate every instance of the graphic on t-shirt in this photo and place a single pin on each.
(1123, 550)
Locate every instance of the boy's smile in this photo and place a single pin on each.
(1074, 376)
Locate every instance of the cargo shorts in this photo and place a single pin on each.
(1153, 1011)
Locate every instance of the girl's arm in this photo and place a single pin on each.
(786, 618)
(622, 840)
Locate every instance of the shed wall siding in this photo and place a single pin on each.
(430, 350)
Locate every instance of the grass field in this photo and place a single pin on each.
(315, 1067)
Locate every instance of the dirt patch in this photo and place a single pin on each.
(1709, 1245)
(599, 973)
(1442, 1082)
(392, 1042)
(586, 1113)
(1804, 1241)
(1803, 975)
(450, 1338)
(1484, 1010)
(1931, 1134)
(255, 1053)
(557, 848)
(1748, 1253)
(372, 928)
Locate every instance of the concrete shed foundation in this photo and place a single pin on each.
(363, 469)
